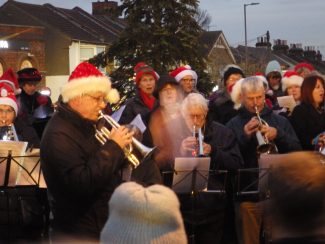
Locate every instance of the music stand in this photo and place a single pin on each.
(191, 178)
(191, 174)
(24, 207)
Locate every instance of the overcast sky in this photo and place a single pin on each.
(297, 21)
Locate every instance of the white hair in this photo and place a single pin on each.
(194, 100)
(252, 84)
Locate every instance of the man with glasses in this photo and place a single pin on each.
(80, 173)
(186, 77)
(220, 145)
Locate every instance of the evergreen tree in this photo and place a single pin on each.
(164, 34)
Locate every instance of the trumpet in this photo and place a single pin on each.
(264, 146)
(135, 152)
(197, 133)
(8, 133)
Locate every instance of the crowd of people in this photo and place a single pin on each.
(246, 118)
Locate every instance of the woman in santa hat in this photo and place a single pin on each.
(11, 127)
(144, 102)
(291, 85)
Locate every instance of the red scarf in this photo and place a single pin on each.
(147, 100)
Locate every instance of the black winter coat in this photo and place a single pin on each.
(225, 155)
(286, 140)
(221, 108)
(308, 123)
(80, 174)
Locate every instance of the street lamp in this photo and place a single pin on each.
(245, 5)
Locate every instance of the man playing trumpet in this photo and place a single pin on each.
(220, 145)
(80, 173)
(256, 118)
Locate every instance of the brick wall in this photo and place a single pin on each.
(23, 36)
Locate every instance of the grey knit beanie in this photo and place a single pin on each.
(140, 215)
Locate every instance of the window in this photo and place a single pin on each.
(26, 64)
(89, 51)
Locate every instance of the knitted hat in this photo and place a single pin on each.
(142, 69)
(7, 96)
(273, 66)
(144, 215)
(230, 70)
(291, 78)
(86, 78)
(9, 77)
(29, 75)
(180, 72)
(164, 80)
(304, 65)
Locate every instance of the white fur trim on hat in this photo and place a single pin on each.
(12, 85)
(113, 96)
(79, 86)
(8, 101)
(236, 94)
(290, 81)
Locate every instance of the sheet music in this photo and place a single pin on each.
(287, 102)
(17, 148)
(138, 122)
(117, 114)
(183, 176)
(33, 165)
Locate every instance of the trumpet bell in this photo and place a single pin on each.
(267, 148)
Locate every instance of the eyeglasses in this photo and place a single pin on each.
(198, 117)
(99, 100)
(6, 111)
(188, 80)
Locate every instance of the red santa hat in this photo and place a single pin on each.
(7, 97)
(9, 77)
(180, 72)
(143, 69)
(291, 78)
(304, 65)
(86, 78)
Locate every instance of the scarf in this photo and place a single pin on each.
(147, 100)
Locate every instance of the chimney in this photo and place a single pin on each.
(103, 8)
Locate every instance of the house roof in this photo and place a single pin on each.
(74, 23)
(209, 38)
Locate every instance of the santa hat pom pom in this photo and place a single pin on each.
(113, 96)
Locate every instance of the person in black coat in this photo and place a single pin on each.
(80, 173)
(221, 107)
(207, 216)
(144, 102)
(245, 125)
(308, 118)
(34, 107)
